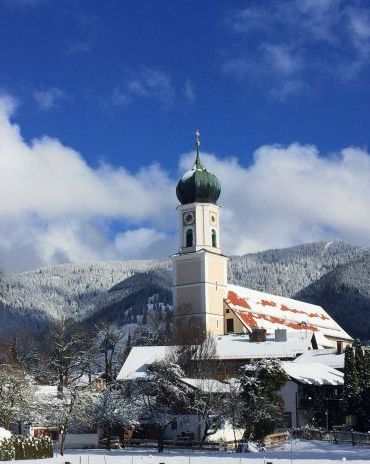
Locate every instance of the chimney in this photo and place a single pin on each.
(280, 335)
(257, 335)
(339, 347)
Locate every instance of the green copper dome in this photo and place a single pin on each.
(198, 185)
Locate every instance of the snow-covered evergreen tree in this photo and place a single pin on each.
(260, 404)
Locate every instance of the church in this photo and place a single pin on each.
(203, 299)
(246, 324)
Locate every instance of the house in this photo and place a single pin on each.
(309, 382)
(44, 426)
(309, 378)
(330, 357)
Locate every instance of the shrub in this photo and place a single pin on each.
(19, 447)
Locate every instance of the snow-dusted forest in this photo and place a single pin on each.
(320, 272)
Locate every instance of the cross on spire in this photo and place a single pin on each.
(197, 141)
(198, 164)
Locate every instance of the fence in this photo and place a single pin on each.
(180, 444)
(275, 439)
(334, 436)
(270, 441)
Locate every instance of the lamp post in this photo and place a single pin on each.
(327, 419)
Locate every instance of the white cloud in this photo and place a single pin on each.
(144, 242)
(281, 58)
(299, 40)
(56, 208)
(48, 98)
(189, 92)
(279, 65)
(149, 83)
(79, 46)
(292, 195)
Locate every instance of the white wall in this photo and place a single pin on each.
(81, 440)
(192, 424)
(289, 395)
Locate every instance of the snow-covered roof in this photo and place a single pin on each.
(328, 357)
(138, 360)
(233, 346)
(239, 346)
(261, 310)
(313, 373)
(208, 385)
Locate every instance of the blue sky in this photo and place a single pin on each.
(125, 84)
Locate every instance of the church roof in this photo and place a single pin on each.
(261, 310)
(240, 347)
(198, 184)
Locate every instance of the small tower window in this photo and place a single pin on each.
(214, 238)
(189, 238)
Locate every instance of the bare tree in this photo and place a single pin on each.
(208, 399)
(70, 354)
(110, 346)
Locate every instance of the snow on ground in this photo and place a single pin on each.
(304, 452)
(4, 433)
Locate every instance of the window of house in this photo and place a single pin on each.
(214, 238)
(189, 238)
(229, 325)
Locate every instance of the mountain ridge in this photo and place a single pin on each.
(121, 291)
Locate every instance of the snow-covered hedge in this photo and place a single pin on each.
(18, 447)
(4, 434)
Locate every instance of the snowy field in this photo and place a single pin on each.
(303, 452)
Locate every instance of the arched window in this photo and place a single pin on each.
(189, 238)
(214, 238)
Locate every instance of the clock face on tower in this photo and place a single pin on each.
(188, 218)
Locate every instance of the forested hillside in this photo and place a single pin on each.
(332, 274)
(345, 294)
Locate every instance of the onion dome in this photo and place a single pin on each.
(198, 184)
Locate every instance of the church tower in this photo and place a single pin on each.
(199, 268)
